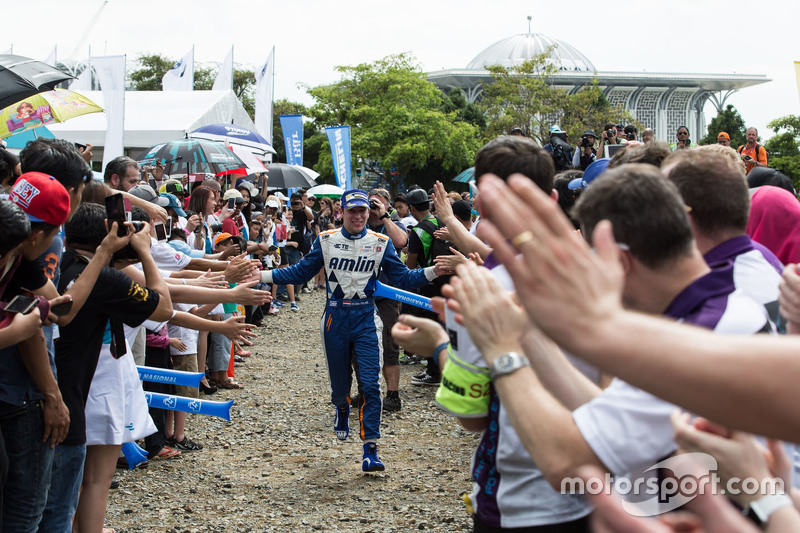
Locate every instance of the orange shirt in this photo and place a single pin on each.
(761, 157)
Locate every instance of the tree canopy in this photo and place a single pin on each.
(396, 119)
(784, 147)
(730, 121)
(522, 96)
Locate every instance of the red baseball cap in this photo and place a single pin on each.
(41, 197)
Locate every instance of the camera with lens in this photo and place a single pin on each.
(373, 204)
(611, 133)
(216, 228)
(585, 142)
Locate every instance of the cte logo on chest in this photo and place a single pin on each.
(360, 264)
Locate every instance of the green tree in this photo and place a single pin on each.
(523, 96)
(244, 86)
(455, 101)
(204, 78)
(395, 118)
(148, 71)
(588, 108)
(784, 147)
(730, 121)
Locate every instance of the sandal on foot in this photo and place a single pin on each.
(229, 385)
(166, 453)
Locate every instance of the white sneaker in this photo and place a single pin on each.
(273, 310)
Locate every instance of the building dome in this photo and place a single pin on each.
(517, 49)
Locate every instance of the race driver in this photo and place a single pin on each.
(353, 258)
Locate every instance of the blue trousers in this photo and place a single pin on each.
(29, 463)
(65, 487)
(355, 332)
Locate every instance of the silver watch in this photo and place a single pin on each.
(762, 509)
(506, 363)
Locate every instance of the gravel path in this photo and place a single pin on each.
(279, 467)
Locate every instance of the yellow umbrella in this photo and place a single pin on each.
(44, 108)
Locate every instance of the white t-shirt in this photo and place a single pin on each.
(628, 429)
(516, 494)
(187, 335)
(167, 257)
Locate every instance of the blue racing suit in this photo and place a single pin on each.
(350, 324)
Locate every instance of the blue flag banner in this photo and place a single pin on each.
(339, 139)
(292, 126)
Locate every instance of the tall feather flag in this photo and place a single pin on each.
(181, 76)
(265, 77)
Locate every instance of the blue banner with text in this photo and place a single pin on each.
(292, 126)
(339, 139)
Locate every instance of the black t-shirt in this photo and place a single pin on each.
(303, 234)
(114, 296)
(300, 221)
(30, 275)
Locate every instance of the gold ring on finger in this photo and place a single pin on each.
(522, 238)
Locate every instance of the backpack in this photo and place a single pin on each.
(758, 146)
(438, 246)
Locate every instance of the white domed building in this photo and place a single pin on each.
(662, 101)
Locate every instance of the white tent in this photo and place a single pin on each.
(152, 117)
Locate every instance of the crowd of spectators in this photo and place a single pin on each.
(553, 352)
(549, 350)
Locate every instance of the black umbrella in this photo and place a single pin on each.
(283, 176)
(21, 77)
(192, 156)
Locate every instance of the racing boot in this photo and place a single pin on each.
(341, 424)
(370, 462)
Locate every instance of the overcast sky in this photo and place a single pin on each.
(311, 37)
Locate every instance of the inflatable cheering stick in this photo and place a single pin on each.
(134, 454)
(189, 405)
(385, 291)
(171, 377)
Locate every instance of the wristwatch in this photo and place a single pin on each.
(506, 363)
(762, 509)
(385, 215)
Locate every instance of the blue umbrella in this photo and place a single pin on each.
(466, 176)
(233, 134)
(20, 140)
(192, 156)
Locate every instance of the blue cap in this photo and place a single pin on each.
(174, 203)
(592, 172)
(355, 198)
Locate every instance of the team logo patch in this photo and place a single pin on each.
(366, 248)
(23, 192)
